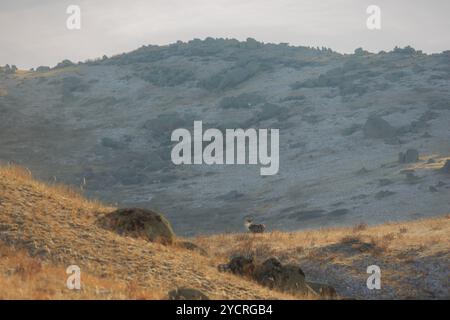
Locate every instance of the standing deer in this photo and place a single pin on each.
(254, 228)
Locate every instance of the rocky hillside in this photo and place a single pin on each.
(105, 125)
(45, 228)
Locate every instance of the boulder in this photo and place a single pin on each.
(287, 278)
(410, 156)
(378, 128)
(273, 274)
(139, 223)
(186, 294)
(241, 266)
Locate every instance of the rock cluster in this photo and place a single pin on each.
(273, 274)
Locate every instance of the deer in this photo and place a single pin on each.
(254, 228)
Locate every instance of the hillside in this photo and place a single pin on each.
(106, 124)
(44, 228)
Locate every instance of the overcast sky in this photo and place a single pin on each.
(34, 32)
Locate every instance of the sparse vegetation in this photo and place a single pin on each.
(351, 79)
(167, 76)
(232, 77)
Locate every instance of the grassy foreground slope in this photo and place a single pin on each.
(56, 226)
(44, 229)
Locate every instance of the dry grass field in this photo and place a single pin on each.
(45, 228)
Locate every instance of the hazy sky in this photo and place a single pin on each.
(33, 32)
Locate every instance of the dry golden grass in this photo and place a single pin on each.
(57, 225)
(24, 277)
(404, 250)
(26, 74)
(52, 226)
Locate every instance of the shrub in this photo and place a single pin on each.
(42, 69)
(64, 63)
(231, 78)
(167, 77)
(73, 84)
(7, 69)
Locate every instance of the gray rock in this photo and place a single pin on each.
(384, 182)
(410, 156)
(287, 278)
(383, 194)
(378, 128)
(241, 266)
(446, 167)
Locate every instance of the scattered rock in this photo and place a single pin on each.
(274, 275)
(323, 290)
(338, 212)
(193, 247)
(378, 128)
(287, 278)
(40, 252)
(240, 265)
(139, 223)
(446, 167)
(384, 182)
(187, 294)
(411, 177)
(363, 170)
(426, 135)
(359, 197)
(383, 194)
(232, 195)
(111, 143)
(440, 184)
(410, 156)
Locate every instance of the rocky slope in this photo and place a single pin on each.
(105, 125)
